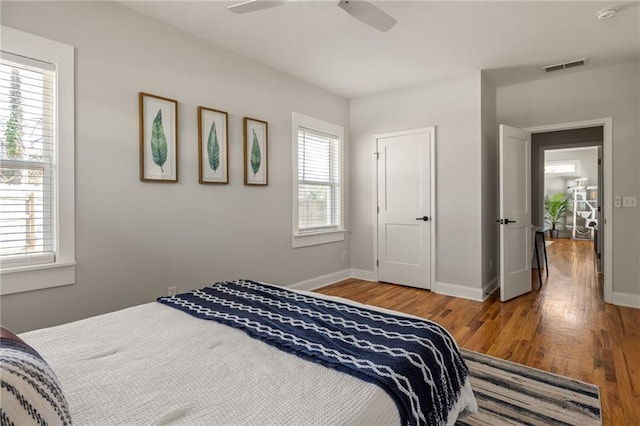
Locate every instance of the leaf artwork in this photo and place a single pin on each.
(213, 148)
(256, 156)
(158, 142)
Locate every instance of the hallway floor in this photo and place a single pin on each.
(564, 327)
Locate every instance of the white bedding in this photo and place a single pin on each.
(152, 364)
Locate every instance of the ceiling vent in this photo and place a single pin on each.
(566, 65)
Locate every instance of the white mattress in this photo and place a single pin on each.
(152, 364)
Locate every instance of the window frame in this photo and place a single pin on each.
(34, 276)
(322, 235)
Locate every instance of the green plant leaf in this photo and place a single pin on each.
(256, 155)
(213, 148)
(158, 142)
(554, 207)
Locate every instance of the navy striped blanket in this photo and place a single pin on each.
(415, 361)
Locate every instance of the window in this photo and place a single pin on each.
(562, 167)
(27, 123)
(318, 214)
(36, 163)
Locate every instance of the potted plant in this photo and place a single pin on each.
(554, 208)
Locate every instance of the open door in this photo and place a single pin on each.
(515, 212)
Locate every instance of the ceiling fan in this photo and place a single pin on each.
(362, 10)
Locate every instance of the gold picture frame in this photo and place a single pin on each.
(158, 138)
(256, 159)
(213, 146)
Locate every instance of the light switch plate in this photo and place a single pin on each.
(617, 201)
(629, 201)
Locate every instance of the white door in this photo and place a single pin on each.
(405, 221)
(515, 212)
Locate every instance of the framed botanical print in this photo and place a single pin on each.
(213, 146)
(255, 152)
(158, 138)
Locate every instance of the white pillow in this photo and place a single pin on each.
(30, 392)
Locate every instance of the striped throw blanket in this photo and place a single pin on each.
(415, 361)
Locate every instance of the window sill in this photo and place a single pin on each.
(36, 277)
(313, 239)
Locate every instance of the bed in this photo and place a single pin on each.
(158, 364)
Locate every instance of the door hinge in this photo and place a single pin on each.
(598, 255)
(599, 209)
(378, 209)
(599, 161)
(377, 154)
(377, 262)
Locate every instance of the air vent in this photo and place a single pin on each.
(554, 68)
(574, 63)
(558, 67)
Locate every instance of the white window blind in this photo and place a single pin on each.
(27, 161)
(319, 192)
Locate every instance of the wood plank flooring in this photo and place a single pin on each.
(564, 328)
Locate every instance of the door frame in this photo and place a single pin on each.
(607, 203)
(432, 190)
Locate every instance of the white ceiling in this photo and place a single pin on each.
(319, 43)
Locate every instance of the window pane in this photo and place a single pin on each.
(317, 157)
(26, 113)
(24, 212)
(560, 168)
(316, 207)
(314, 158)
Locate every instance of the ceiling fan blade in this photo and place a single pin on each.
(254, 5)
(368, 13)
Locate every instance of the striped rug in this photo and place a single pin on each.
(510, 393)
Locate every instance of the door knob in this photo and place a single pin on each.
(425, 218)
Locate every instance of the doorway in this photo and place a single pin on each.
(592, 134)
(571, 194)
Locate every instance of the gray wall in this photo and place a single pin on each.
(604, 92)
(453, 106)
(135, 239)
(489, 185)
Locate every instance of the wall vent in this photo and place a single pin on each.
(575, 63)
(558, 67)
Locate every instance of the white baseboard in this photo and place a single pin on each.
(314, 283)
(626, 299)
(363, 274)
(489, 288)
(458, 290)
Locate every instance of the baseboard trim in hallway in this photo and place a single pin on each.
(626, 299)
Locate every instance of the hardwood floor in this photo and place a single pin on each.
(564, 328)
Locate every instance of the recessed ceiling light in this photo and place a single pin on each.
(606, 13)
